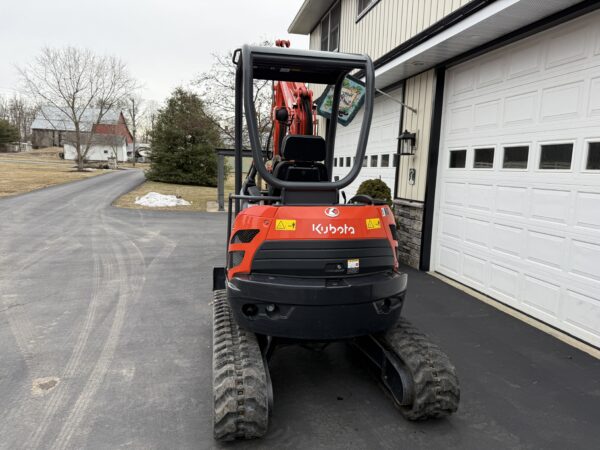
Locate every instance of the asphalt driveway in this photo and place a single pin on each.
(105, 334)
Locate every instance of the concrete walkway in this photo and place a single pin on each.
(105, 334)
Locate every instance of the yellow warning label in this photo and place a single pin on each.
(285, 225)
(373, 224)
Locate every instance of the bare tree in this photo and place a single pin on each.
(133, 111)
(217, 90)
(4, 115)
(81, 85)
(140, 114)
(20, 112)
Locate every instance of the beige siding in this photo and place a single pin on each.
(387, 25)
(419, 94)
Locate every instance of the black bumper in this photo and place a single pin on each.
(317, 308)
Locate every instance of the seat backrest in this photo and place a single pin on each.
(297, 147)
(300, 153)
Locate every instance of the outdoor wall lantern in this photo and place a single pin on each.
(408, 143)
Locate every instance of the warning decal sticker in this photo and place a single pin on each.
(373, 224)
(285, 225)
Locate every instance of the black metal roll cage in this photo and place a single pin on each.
(284, 64)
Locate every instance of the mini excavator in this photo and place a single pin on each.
(303, 267)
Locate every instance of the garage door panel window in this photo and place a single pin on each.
(385, 160)
(374, 160)
(516, 157)
(556, 156)
(348, 163)
(458, 159)
(593, 156)
(483, 158)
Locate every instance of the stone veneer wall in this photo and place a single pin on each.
(409, 221)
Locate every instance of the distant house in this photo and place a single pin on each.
(51, 126)
(103, 147)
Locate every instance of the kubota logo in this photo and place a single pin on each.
(332, 212)
(319, 228)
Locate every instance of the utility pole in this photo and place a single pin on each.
(133, 154)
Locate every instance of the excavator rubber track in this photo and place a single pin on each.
(241, 384)
(434, 384)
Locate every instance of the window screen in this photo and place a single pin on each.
(515, 157)
(484, 158)
(385, 160)
(325, 33)
(458, 159)
(334, 28)
(373, 160)
(556, 156)
(593, 157)
(330, 29)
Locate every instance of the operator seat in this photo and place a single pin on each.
(301, 155)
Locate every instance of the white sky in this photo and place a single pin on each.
(165, 43)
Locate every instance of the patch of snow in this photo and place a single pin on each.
(156, 200)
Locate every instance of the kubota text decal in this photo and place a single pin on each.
(319, 228)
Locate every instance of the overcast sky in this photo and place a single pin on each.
(165, 43)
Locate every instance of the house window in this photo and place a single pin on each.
(556, 156)
(348, 161)
(385, 160)
(484, 158)
(365, 161)
(106, 152)
(593, 156)
(364, 6)
(458, 159)
(373, 160)
(515, 157)
(330, 29)
(396, 157)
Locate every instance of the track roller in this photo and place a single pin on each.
(241, 385)
(415, 372)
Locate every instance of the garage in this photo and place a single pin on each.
(381, 159)
(517, 209)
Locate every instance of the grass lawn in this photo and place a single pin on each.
(27, 171)
(197, 195)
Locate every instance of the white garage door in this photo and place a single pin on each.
(382, 146)
(518, 193)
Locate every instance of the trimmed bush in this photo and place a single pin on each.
(377, 189)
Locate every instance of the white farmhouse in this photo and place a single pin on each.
(103, 147)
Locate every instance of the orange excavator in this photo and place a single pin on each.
(303, 267)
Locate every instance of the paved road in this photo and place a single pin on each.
(105, 343)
